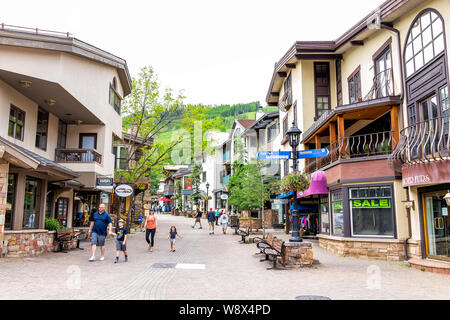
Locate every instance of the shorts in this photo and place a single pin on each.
(172, 240)
(120, 246)
(197, 219)
(98, 239)
(224, 225)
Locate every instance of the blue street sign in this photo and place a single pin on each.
(314, 153)
(271, 155)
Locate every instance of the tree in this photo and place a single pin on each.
(196, 195)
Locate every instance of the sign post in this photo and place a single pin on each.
(123, 191)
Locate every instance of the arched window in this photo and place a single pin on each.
(424, 42)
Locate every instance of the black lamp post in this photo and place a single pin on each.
(207, 196)
(294, 139)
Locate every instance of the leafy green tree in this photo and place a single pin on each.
(196, 195)
(178, 195)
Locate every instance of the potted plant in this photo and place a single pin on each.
(295, 181)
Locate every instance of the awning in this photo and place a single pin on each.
(164, 199)
(318, 185)
(304, 207)
(286, 195)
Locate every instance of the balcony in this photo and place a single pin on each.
(77, 156)
(169, 190)
(226, 156)
(354, 147)
(382, 87)
(286, 100)
(424, 142)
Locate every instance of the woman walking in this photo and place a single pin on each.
(151, 225)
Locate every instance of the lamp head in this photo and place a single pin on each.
(294, 135)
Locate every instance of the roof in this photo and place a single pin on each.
(263, 121)
(182, 172)
(387, 11)
(43, 162)
(245, 122)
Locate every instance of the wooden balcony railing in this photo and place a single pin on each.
(77, 155)
(365, 145)
(424, 142)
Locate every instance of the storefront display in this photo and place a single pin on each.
(371, 211)
(337, 213)
(324, 215)
(437, 225)
(32, 203)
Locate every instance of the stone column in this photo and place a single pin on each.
(298, 254)
(4, 168)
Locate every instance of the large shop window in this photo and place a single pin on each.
(337, 212)
(324, 215)
(371, 211)
(10, 201)
(32, 203)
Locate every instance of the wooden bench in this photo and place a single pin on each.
(243, 233)
(64, 236)
(262, 243)
(275, 250)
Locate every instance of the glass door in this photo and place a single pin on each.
(88, 141)
(32, 203)
(429, 130)
(383, 66)
(437, 225)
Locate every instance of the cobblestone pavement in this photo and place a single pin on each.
(231, 272)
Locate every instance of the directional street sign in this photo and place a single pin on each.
(314, 153)
(272, 155)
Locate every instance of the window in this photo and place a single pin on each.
(271, 132)
(371, 211)
(187, 183)
(62, 134)
(114, 99)
(323, 105)
(41, 130)
(337, 213)
(10, 201)
(412, 116)
(324, 215)
(32, 203)
(338, 82)
(383, 74)
(286, 167)
(322, 87)
(16, 123)
(443, 96)
(204, 176)
(425, 41)
(120, 153)
(285, 125)
(354, 86)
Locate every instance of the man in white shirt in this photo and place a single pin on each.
(224, 222)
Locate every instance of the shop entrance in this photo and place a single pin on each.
(437, 225)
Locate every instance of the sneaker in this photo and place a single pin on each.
(192, 227)
(102, 258)
(200, 228)
(92, 258)
(116, 259)
(126, 259)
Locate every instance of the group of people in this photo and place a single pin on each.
(101, 227)
(213, 218)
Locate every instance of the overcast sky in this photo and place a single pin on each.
(217, 51)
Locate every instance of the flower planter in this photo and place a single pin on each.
(252, 223)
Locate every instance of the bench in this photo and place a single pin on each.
(274, 250)
(64, 236)
(243, 233)
(262, 243)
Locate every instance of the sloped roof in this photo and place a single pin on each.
(245, 122)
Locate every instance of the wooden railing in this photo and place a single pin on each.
(77, 155)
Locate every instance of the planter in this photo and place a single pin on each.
(252, 223)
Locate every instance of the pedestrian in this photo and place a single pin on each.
(224, 222)
(211, 219)
(172, 236)
(100, 227)
(141, 221)
(121, 241)
(217, 217)
(198, 218)
(151, 225)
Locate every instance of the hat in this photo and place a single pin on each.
(121, 220)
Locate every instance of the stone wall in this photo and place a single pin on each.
(270, 218)
(376, 249)
(297, 254)
(28, 243)
(252, 223)
(4, 167)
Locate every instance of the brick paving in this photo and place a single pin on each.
(231, 272)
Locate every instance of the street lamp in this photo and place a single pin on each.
(294, 139)
(207, 196)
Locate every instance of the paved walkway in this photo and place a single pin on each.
(230, 272)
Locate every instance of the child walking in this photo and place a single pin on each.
(172, 236)
(121, 241)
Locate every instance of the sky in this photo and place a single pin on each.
(217, 52)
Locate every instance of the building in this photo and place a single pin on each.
(377, 99)
(60, 98)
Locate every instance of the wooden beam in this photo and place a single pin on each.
(332, 128)
(316, 56)
(290, 65)
(275, 94)
(394, 126)
(357, 42)
(318, 146)
(341, 135)
(282, 74)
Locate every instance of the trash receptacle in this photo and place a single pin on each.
(234, 222)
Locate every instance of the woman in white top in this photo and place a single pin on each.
(224, 222)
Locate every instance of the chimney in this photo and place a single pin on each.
(260, 113)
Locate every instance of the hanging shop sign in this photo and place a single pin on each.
(124, 190)
(105, 183)
(224, 196)
(371, 204)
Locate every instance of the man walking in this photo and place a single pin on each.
(100, 228)
(224, 222)
(211, 220)
(198, 218)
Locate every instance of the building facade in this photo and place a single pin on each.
(60, 99)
